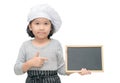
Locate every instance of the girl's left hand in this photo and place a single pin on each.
(84, 71)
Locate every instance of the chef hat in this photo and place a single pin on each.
(45, 11)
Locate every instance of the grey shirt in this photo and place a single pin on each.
(52, 51)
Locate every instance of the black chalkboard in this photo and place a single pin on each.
(89, 57)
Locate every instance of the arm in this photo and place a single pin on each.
(26, 66)
(22, 65)
(20, 60)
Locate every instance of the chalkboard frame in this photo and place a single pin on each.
(85, 46)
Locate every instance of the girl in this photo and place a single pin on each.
(42, 57)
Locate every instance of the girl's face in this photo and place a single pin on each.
(40, 27)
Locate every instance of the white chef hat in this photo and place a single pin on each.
(45, 11)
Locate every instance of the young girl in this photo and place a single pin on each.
(42, 56)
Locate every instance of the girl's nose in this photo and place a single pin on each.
(41, 27)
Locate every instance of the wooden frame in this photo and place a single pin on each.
(89, 57)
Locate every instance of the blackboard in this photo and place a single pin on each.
(89, 57)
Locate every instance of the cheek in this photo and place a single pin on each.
(49, 31)
(34, 31)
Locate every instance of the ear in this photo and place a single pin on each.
(30, 27)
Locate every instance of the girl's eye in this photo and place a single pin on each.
(46, 23)
(37, 23)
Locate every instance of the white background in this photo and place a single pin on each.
(85, 22)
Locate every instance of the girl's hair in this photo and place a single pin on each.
(30, 33)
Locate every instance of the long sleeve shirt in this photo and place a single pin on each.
(52, 51)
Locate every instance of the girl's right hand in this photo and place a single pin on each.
(37, 61)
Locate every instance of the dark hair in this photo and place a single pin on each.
(30, 33)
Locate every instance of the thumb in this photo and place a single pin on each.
(37, 54)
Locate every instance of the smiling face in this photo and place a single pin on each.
(40, 27)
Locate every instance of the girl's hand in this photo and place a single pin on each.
(84, 71)
(37, 61)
